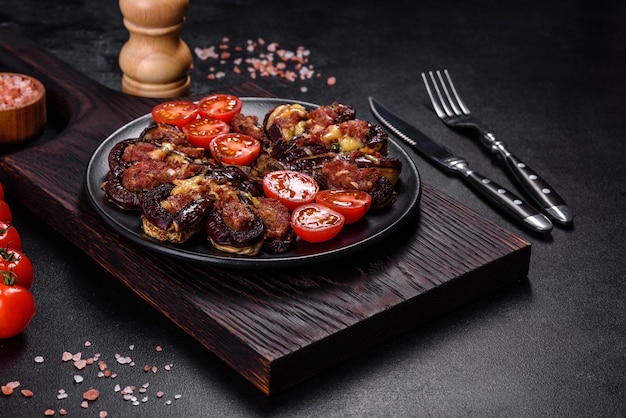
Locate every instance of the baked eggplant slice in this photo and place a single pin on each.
(233, 227)
(173, 217)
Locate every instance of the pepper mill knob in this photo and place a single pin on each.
(155, 60)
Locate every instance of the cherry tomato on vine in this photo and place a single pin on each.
(316, 223)
(175, 112)
(17, 307)
(201, 132)
(5, 212)
(18, 265)
(351, 203)
(220, 106)
(9, 237)
(234, 148)
(292, 188)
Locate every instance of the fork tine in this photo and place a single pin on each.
(456, 96)
(439, 104)
(454, 107)
(438, 110)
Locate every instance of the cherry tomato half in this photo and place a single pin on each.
(175, 112)
(220, 106)
(9, 237)
(313, 222)
(351, 203)
(17, 308)
(201, 132)
(5, 212)
(18, 265)
(234, 148)
(292, 188)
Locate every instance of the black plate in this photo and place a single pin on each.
(375, 226)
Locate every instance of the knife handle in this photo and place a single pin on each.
(545, 196)
(509, 202)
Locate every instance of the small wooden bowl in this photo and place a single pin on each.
(25, 118)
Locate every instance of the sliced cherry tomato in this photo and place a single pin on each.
(175, 112)
(17, 307)
(18, 265)
(5, 212)
(201, 132)
(9, 237)
(234, 148)
(292, 188)
(316, 223)
(220, 106)
(351, 203)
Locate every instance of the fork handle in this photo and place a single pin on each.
(544, 195)
(508, 201)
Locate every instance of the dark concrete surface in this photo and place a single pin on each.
(547, 77)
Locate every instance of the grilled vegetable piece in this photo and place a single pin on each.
(173, 217)
(162, 132)
(341, 174)
(233, 227)
(279, 236)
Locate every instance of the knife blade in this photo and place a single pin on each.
(506, 200)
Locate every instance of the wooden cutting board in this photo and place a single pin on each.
(275, 327)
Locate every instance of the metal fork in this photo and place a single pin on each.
(453, 112)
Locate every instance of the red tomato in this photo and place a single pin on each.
(18, 265)
(292, 188)
(5, 212)
(9, 237)
(175, 112)
(201, 132)
(220, 106)
(234, 148)
(316, 223)
(17, 308)
(351, 203)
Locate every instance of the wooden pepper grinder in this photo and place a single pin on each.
(155, 60)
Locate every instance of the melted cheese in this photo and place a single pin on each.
(333, 134)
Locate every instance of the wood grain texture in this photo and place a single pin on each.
(274, 327)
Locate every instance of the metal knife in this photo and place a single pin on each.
(513, 205)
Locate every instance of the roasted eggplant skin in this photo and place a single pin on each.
(119, 195)
(182, 220)
(248, 241)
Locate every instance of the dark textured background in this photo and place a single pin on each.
(548, 78)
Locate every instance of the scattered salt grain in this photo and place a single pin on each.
(117, 388)
(80, 364)
(78, 378)
(84, 404)
(39, 359)
(87, 343)
(49, 412)
(91, 394)
(27, 393)
(67, 356)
